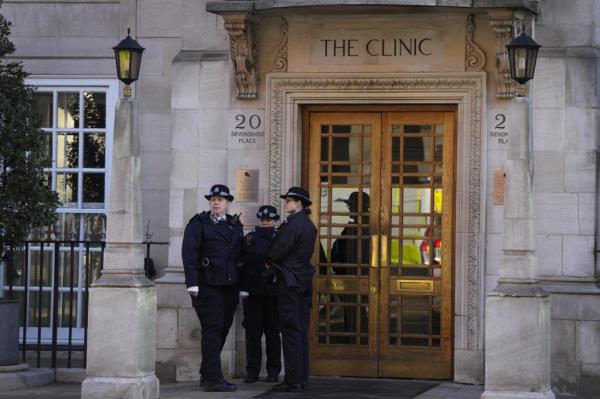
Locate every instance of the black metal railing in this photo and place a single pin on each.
(51, 278)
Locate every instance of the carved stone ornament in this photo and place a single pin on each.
(474, 55)
(288, 92)
(503, 34)
(242, 46)
(279, 62)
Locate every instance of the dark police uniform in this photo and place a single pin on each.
(260, 307)
(211, 252)
(290, 254)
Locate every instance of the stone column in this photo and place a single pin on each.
(122, 303)
(517, 332)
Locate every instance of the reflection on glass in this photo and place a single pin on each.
(66, 187)
(94, 147)
(43, 104)
(69, 266)
(68, 110)
(47, 149)
(437, 200)
(69, 226)
(396, 149)
(439, 144)
(415, 321)
(95, 110)
(67, 150)
(418, 149)
(67, 309)
(341, 129)
(39, 306)
(94, 226)
(93, 190)
(94, 266)
(324, 148)
(417, 129)
(416, 200)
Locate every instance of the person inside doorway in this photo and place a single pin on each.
(260, 299)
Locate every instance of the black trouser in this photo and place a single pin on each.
(215, 307)
(294, 315)
(261, 316)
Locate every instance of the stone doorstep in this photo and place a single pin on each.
(64, 375)
(26, 379)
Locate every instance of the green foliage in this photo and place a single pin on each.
(26, 200)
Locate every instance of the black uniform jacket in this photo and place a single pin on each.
(211, 249)
(255, 249)
(292, 249)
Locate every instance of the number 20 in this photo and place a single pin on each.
(254, 121)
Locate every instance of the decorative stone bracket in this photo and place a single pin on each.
(474, 55)
(242, 46)
(505, 28)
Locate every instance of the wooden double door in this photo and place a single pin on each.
(383, 189)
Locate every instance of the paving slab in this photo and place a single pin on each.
(335, 387)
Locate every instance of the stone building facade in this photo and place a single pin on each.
(253, 93)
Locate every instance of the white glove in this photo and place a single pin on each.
(244, 294)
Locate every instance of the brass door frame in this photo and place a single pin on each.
(375, 361)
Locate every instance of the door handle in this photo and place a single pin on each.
(374, 250)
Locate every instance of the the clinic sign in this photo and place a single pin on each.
(377, 47)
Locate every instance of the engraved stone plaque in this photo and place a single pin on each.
(246, 185)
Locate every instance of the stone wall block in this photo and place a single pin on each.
(165, 365)
(556, 213)
(184, 130)
(493, 253)
(468, 366)
(88, 20)
(159, 18)
(190, 204)
(215, 85)
(564, 35)
(155, 170)
(578, 256)
(188, 331)
(176, 208)
(212, 168)
(580, 171)
(587, 334)
(29, 20)
(565, 376)
(166, 328)
(587, 204)
(581, 125)
(154, 94)
(582, 76)
(549, 88)
(563, 341)
(173, 297)
(185, 85)
(187, 364)
(575, 307)
(548, 129)
(549, 173)
(212, 129)
(549, 254)
(183, 173)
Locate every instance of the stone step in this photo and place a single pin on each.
(29, 378)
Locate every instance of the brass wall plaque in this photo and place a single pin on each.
(246, 185)
(499, 181)
(336, 284)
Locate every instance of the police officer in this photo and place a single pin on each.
(260, 299)
(290, 255)
(211, 251)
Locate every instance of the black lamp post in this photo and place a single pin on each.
(128, 54)
(522, 56)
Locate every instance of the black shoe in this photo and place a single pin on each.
(272, 378)
(229, 384)
(285, 387)
(219, 386)
(250, 378)
(304, 385)
(202, 382)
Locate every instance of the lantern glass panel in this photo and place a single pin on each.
(521, 63)
(124, 64)
(532, 61)
(135, 64)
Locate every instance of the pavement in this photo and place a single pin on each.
(322, 388)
